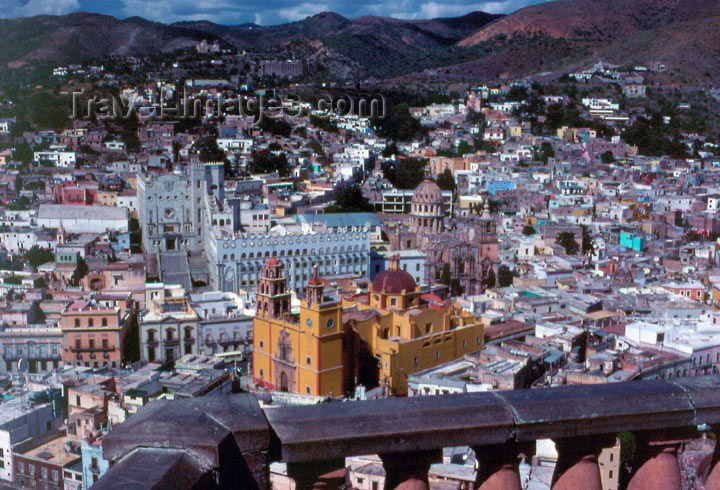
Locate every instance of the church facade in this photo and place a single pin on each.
(296, 353)
(467, 247)
(377, 338)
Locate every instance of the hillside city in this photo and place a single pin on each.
(516, 234)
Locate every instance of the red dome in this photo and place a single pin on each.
(393, 282)
(272, 261)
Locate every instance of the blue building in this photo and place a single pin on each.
(632, 241)
(492, 187)
(93, 464)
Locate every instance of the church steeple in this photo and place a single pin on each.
(314, 290)
(61, 235)
(273, 298)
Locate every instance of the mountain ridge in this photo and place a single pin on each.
(550, 36)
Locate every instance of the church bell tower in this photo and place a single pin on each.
(273, 298)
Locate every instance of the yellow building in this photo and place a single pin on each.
(405, 330)
(377, 338)
(299, 354)
(516, 130)
(107, 198)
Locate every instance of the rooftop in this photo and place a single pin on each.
(57, 451)
(66, 211)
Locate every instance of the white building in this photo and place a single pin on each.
(83, 219)
(55, 158)
(411, 261)
(235, 145)
(20, 422)
(18, 241)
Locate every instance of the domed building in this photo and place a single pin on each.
(374, 338)
(426, 210)
(394, 288)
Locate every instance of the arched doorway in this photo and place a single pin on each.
(284, 385)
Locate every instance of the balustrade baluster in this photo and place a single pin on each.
(656, 461)
(317, 475)
(577, 465)
(409, 471)
(498, 466)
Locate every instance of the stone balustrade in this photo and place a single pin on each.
(229, 442)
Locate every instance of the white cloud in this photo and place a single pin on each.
(17, 8)
(264, 12)
(432, 9)
(168, 11)
(298, 12)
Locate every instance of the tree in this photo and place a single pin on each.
(567, 240)
(23, 153)
(628, 445)
(505, 276)
(315, 146)
(446, 181)
(128, 133)
(350, 199)
(587, 242)
(445, 276)
(607, 157)
(135, 235)
(301, 131)
(275, 126)
(38, 256)
(80, 271)
(494, 205)
(679, 219)
(528, 230)
(655, 138)
(264, 162)
(399, 125)
(407, 174)
(545, 153)
(517, 94)
(131, 343)
(390, 150)
(474, 117)
(489, 281)
(323, 123)
(22, 203)
(209, 150)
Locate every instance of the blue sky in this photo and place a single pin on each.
(264, 12)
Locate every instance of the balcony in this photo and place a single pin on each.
(92, 349)
(229, 442)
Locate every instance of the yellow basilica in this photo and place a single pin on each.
(375, 338)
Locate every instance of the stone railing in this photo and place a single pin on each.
(229, 442)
